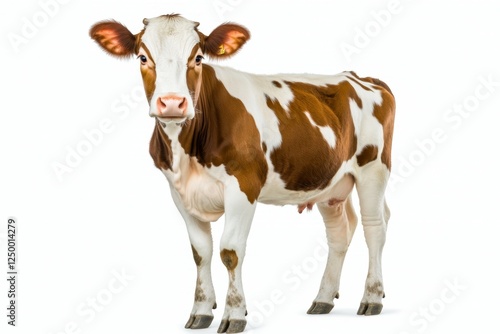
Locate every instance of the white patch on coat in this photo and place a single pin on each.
(326, 131)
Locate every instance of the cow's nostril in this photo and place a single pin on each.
(161, 103)
(183, 103)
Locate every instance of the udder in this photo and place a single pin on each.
(335, 195)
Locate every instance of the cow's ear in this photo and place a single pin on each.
(114, 38)
(226, 40)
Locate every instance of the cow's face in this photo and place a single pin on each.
(170, 50)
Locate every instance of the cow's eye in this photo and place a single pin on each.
(143, 59)
(199, 58)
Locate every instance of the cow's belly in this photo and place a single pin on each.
(199, 190)
(339, 188)
(198, 193)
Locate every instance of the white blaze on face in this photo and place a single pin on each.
(169, 41)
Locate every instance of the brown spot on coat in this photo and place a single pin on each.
(264, 147)
(375, 289)
(277, 84)
(233, 298)
(305, 161)
(367, 155)
(148, 73)
(193, 74)
(229, 258)
(199, 294)
(160, 148)
(385, 113)
(196, 256)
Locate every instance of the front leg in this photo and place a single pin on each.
(239, 214)
(200, 236)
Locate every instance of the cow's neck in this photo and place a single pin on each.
(203, 136)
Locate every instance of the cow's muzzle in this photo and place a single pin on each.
(171, 106)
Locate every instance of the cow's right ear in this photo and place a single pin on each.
(114, 38)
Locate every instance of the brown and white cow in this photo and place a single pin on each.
(226, 140)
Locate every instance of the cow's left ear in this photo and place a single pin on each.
(226, 40)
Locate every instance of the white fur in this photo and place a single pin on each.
(170, 44)
(326, 131)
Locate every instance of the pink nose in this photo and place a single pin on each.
(171, 105)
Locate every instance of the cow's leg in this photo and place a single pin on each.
(340, 222)
(374, 217)
(200, 236)
(239, 214)
(204, 297)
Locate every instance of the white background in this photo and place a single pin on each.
(113, 211)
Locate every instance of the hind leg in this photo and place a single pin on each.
(340, 222)
(374, 217)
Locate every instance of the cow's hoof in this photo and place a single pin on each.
(199, 321)
(320, 308)
(232, 326)
(370, 309)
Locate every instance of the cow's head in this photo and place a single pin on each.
(170, 50)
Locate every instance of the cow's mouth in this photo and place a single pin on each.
(174, 119)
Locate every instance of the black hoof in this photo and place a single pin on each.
(232, 326)
(199, 321)
(320, 308)
(369, 309)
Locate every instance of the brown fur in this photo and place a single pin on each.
(160, 148)
(367, 155)
(197, 258)
(114, 38)
(230, 36)
(294, 159)
(229, 258)
(148, 73)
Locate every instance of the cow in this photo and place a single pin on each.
(226, 140)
